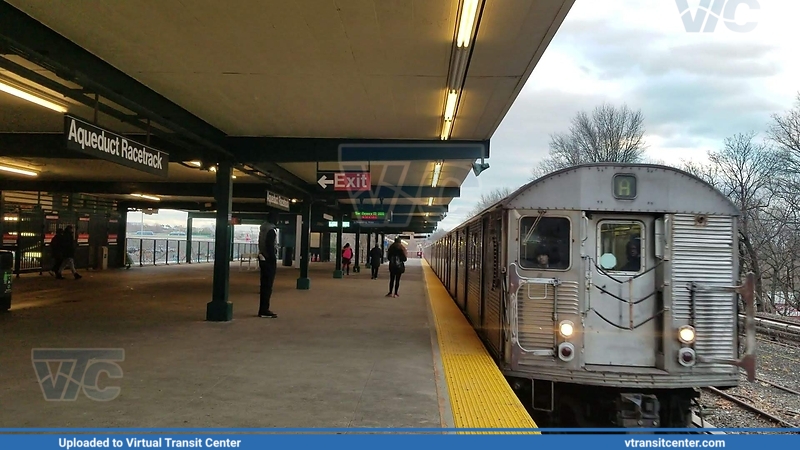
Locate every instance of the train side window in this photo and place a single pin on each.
(619, 248)
(546, 244)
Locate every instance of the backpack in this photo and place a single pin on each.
(397, 264)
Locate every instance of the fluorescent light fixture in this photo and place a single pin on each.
(430, 201)
(437, 172)
(294, 200)
(196, 163)
(233, 177)
(147, 197)
(450, 105)
(469, 10)
(28, 173)
(446, 127)
(31, 98)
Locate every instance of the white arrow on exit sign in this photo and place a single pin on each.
(324, 182)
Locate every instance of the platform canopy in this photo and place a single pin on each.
(409, 91)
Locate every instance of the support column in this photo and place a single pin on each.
(383, 247)
(367, 264)
(189, 239)
(339, 229)
(219, 309)
(357, 269)
(298, 232)
(305, 235)
(122, 236)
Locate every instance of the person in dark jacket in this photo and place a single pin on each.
(397, 257)
(55, 253)
(375, 256)
(67, 245)
(268, 263)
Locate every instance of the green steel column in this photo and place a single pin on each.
(338, 272)
(219, 309)
(122, 236)
(305, 235)
(189, 239)
(357, 269)
(367, 264)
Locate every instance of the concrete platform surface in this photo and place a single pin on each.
(339, 355)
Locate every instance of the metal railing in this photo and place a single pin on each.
(153, 251)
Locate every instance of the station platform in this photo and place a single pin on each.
(341, 355)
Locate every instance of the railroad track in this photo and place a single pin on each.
(751, 407)
(784, 329)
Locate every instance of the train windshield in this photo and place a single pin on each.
(545, 243)
(620, 246)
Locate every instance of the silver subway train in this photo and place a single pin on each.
(608, 294)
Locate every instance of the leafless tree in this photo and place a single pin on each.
(610, 134)
(489, 199)
(745, 171)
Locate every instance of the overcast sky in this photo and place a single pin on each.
(694, 89)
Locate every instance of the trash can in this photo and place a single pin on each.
(6, 271)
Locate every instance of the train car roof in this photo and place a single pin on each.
(668, 189)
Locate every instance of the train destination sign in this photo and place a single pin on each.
(624, 186)
(94, 141)
(370, 216)
(344, 181)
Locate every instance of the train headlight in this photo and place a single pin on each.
(566, 328)
(686, 334)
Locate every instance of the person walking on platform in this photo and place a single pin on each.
(375, 256)
(268, 264)
(397, 257)
(347, 256)
(55, 252)
(67, 245)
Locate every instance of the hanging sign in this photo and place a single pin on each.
(92, 140)
(278, 201)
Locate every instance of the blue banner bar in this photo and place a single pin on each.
(199, 439)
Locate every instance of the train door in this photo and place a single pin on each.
(621, 324)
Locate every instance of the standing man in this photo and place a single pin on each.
(375, 256)
(268, 263)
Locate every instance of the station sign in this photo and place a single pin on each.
(95, 141)
(344, 181)
(278, 201)
(335, 224)
(370, 216)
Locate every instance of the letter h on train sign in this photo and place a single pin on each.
(344, 181)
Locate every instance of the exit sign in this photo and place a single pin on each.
(344, 181)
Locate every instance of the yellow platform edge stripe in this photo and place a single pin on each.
(480, 396)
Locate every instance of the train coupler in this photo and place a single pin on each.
(637, 410)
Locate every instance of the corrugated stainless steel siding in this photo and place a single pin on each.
(492, 326)
(462, 269)
(474, 259)
(535, 315)
(704, 254)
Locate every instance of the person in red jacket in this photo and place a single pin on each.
(347, 256)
